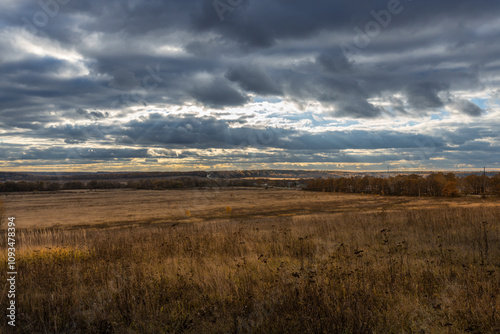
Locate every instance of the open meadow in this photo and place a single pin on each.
(253, 261)
(128, 207)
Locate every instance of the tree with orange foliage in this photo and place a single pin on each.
(450, 189)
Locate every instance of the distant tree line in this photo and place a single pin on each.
(435, 184)
(13, 186)
(68, 176)
(151, 184)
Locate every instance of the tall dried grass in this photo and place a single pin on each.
(420, 271)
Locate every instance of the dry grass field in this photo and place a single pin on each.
(254, 261)
(126, 207)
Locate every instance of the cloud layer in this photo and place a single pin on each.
(249, 84)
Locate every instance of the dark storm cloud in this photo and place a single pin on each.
(90, 154)
(87, 154)
(30, 65)
(358, 108)
(363, 140)
(334, 62)
(71, 134)
(253, 79)
(425, 95)
(255, 28)
(217, 93)
(208, 132)
(91, 114)
(464, 134)
(467, 107)
(261, 23)
(194, 132)
(124, 79)
(31, 92)
(255, 22)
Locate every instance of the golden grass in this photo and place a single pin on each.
(411, 271)
(126, 207)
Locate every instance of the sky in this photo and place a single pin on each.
(171, 85)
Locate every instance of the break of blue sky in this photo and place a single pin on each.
(481, 103)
